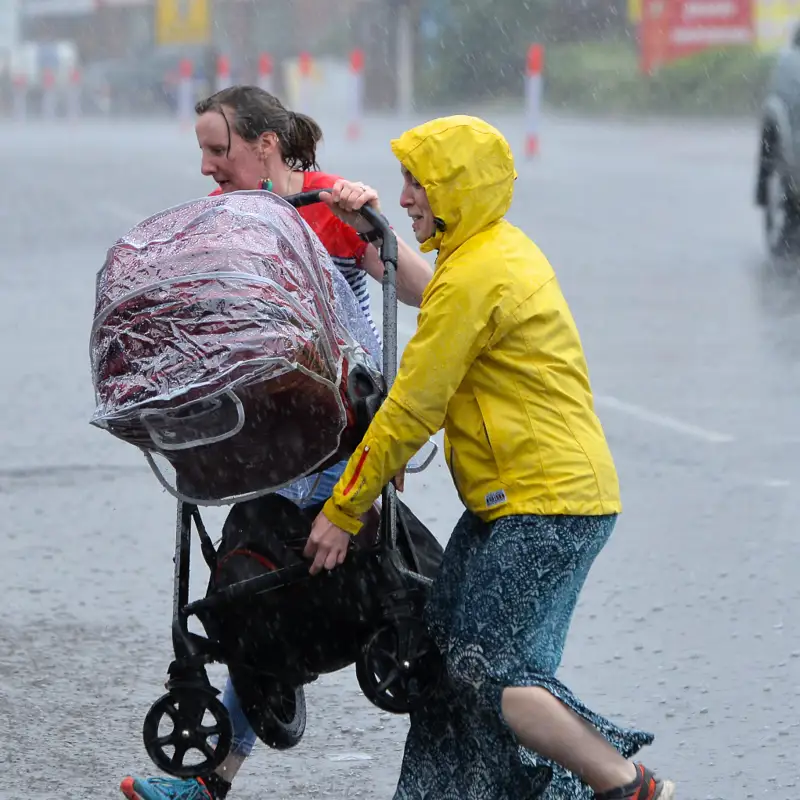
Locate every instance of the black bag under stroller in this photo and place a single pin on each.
(205, 356)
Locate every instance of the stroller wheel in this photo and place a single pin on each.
(399, 668)
(275, 710)
(193, 717)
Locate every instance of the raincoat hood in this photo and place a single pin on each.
(467, 170)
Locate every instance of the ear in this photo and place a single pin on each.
(267, 143)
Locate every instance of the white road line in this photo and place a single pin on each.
(406, 330)
(663, 421)
(775, 483)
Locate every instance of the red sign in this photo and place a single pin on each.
(674, 29)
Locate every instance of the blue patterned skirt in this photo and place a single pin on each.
(500, 610)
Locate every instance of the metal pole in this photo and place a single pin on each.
(405, 59)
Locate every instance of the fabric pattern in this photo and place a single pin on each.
(500, 610)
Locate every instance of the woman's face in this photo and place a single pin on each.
(235, 164)
(414, 199)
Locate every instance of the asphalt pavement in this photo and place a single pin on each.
(688, 625)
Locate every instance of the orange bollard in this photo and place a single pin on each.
(533, 99)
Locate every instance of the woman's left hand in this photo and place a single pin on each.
(345, 200)
(327, 544)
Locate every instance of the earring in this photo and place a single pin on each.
(266, 184)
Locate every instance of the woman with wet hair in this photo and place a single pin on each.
(250, 141)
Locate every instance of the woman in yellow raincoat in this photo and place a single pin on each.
(497, 361)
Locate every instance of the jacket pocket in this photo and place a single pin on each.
(454, 475)
(491, 434)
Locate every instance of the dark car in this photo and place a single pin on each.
(778, 175)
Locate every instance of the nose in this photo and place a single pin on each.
(406, 197)
(207, 166)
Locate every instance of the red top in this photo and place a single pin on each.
(337, 237)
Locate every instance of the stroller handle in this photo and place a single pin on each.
(377, 220)
(388, 251)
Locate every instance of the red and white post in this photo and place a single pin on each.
(49, 95)
(223, 78)
(20, 98)
(305, 68)
(185, 92)
(265, 70)
(533, 99)
(356, 94)
(74, 94)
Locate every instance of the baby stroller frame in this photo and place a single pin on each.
(397, 666)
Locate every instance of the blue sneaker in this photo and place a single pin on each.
(164, 789)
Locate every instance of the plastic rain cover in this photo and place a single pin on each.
(221, 337)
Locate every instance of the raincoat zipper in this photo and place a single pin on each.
(352, 482)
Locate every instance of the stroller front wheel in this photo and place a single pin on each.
(187, 713)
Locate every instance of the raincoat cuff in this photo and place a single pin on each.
(347, 522)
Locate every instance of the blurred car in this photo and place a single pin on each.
(146, 82)
(778, 174)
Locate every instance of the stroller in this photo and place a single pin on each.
(218, 348)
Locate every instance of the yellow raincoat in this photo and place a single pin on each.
(496, 358)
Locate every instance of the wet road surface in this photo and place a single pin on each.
(688, 625)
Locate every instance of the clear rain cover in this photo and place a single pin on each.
(220, 333)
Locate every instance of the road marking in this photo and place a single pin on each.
(407, 329)
(663, 421)
(776, 483)
(643, 414)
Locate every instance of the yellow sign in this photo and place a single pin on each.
(182, 21)
(635, 11)
(776, 22)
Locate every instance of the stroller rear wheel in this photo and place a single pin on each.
(275, 710)
(400, 667)
(190, 730)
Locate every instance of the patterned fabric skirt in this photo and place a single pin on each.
(500, 610)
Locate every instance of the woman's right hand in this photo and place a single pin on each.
(346, 199)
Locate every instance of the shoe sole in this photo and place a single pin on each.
(667, 791)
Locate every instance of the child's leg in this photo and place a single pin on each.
(217, 785)
(244, 737)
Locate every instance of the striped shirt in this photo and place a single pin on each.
(344, 245)
(346, 250)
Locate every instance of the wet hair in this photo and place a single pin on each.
(256, 112)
